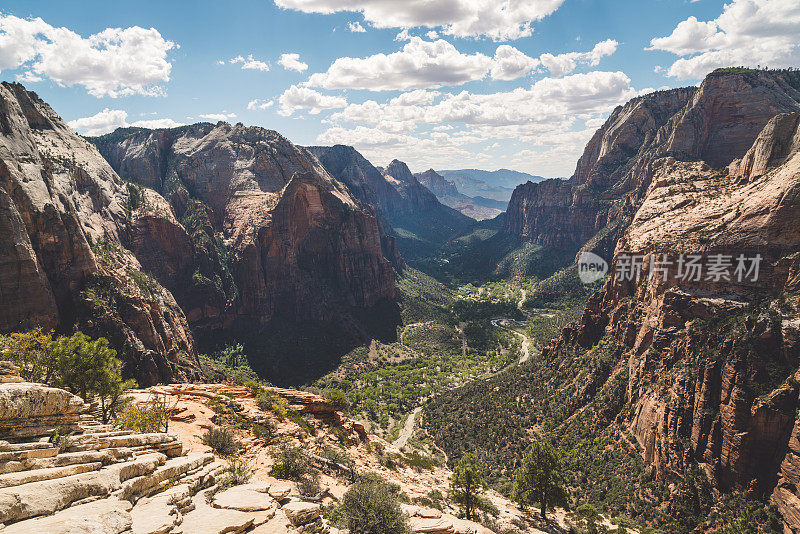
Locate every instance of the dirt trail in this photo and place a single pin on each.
(407, 429)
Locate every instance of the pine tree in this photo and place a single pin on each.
(539, 480)
(467, 484)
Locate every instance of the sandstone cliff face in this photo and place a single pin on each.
(307, 261)
(368, 185)
(398, 197)
(64, 229)
(712, 361)
(715, 123)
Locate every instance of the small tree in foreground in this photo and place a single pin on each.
(372, 506)
(539, 480)
(467, 484)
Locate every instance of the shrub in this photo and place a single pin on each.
(291, 464)
(337, 399)
(150, 416)
(221, 440)
(237, 472)
(372, 506)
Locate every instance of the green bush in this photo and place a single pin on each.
(237, 472)
(337, 399)
(372, 506)
(221, 440)
(291, 464)
(150, 416)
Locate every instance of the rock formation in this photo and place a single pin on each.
(398, 196)
(712, 358)
(65, 246)
(437, 184)
(277, 248)
(715, 123)
(478, 208)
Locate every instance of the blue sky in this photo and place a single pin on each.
(520, 85)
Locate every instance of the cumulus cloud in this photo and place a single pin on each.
(292, 62)
(419, 123)
(216, 117)
(259, 104)
(510, 64)
(563, 64)
(250, 63)
(154, 124)
(297, 98)
(109, 120)
(499, 20)
(356, 27)
(114, 62)
(420, 64)
(748, 33)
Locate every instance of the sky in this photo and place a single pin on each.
(445, 84)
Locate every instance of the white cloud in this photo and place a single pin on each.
(292, 62)
(432, 35)
(563, 64)
(497, 19)
(420, 64)
(104, 122)
(258, 104)
(114, 62)
(154, 124)
(356, 27)
(296, 98)
(250, 63)
(510, 64)
(430, 126)
(403, 36)
(109, 120)
(216, 117)
(747, 33)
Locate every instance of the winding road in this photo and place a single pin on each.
(407, 429)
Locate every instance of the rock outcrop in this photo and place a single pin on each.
(437, 184)
(715, 123)
(398, 197)
(65, 246)
(711, 356)
(278, 248)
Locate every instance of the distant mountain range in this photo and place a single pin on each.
(497, 185)
(477, 207)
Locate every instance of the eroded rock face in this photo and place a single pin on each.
(397, 196)
(712, 360)
(65, 248)
(716, 123)
(306, 259)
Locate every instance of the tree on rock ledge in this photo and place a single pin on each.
(539, 480)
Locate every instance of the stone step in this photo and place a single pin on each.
(105, 516)
(106, 457)
(20, 455)
(25, 477)
(161, 513)
(162, 477)
(49, 496)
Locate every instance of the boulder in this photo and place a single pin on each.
(300, 513)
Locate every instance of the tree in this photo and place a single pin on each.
(372, 506)
(30, 351)
(467, 484)
(84, 366)
(539, 480)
